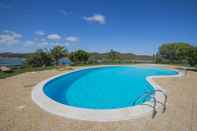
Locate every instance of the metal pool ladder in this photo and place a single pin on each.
(151, 95)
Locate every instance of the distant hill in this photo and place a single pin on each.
(125, 57)
(11, 55)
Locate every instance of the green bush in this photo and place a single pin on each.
(58, 52)
(79, 57)
(39, 58)
(177, 53)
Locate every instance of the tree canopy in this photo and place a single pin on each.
(40, 58)
(176, 53)
(46, 57)
(192, 57)
(58, 52)
(179, 53)
(79, 57)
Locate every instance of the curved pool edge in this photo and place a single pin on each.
(101, 115)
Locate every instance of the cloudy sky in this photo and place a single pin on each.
(137, 26)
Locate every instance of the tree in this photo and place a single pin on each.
(40, 58)
(114, 55)
(174, 52)
(58, 52)
(183, 51)
(192, 57)
(79, 56)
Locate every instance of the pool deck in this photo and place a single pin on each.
(19, 113)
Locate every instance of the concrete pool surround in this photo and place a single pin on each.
(102, 115)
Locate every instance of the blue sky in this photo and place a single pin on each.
(137, 26)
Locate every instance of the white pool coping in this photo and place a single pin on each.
(102, 115)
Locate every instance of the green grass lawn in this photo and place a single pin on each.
(23, 70)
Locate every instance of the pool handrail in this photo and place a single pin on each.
(152, 95)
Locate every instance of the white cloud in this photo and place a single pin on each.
(67, 44)
(43, 44)
(54, 37)
(72, 39)
(29, 42)
(9, 37)
(13, 41)
(35, 44)
(64, 12)
(97, 18)
(40, 32)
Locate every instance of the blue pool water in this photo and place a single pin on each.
(103, 87)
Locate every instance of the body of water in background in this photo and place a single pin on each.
(12, 62)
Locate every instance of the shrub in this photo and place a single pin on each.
(39, 58)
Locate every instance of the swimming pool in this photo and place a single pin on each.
(102, 88)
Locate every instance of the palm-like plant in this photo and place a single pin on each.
(58, 52)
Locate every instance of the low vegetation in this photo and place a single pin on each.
(56, 53)
(23, 70)
(79, 57)
(42, 59)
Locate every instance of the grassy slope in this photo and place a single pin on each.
(23, 70)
